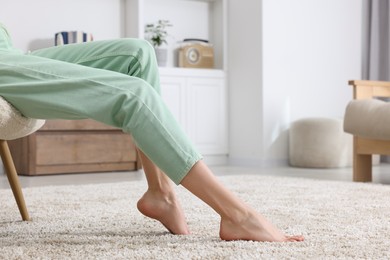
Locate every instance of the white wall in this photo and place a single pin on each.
(245, 81)
(33, 24)
(309, 50)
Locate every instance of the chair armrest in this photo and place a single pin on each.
(366, 89)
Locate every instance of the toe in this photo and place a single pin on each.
(294, 238)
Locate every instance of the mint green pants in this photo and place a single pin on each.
(115, 82)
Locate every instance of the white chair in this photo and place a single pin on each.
(14, 125)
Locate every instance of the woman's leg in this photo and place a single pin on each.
(136, 58)
(238, 220)
(159, 201)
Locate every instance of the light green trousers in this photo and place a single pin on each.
(114, 82)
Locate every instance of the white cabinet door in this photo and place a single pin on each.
(207, 112)
(199, 104)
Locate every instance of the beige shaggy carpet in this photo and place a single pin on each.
(340, 220)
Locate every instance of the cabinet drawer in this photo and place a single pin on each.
(60, 148)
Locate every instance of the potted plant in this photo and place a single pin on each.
(156, 34)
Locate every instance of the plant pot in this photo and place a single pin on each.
(162, 56)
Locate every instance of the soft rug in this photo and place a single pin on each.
(340, 220)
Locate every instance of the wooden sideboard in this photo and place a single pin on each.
(73, 146)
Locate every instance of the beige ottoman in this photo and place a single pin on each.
(319, 143)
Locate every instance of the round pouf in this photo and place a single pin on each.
(319, 143)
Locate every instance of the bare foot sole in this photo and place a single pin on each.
(256, 228)
(165, 209)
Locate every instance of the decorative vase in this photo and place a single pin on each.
(162, 56)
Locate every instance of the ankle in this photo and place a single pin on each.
(160, 193)
(161, 186)
(237, 216)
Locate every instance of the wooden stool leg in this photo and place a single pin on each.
(13, 179)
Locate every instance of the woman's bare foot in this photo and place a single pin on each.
(254, 227)
(164, 208)
(238, 221)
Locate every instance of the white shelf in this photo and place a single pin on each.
(204, 19)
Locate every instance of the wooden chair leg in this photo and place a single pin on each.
(362, 167)
(13, 179)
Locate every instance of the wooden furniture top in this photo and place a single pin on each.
(86, 124)
(366, 89)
